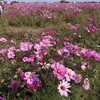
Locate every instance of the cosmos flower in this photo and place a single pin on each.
(97, 56)
(78, 78)
(59, 70)
(10, 54)
(83, 66)
(13, 42)
(86, 53)
(28, 58)
(86, 84)
(40, 54)
(3, 51)
(69, 74)
(63, 88)
(3, 40)
(25, 46)
(37, 47)
(46, 65)
(48, 36)
(75, 49)
(45, 43)
(64, 52)
(34, 85)
(31, 77)
(12, 49)
(25, 59)
(1, 98)
(14, 85)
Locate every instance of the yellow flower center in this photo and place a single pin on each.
(45, 42)
(31, 77)
(59, 71)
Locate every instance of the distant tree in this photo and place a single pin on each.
(64, 1)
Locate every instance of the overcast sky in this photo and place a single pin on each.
(50, 0)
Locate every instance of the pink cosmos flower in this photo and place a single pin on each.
(34, 85)
(78, 78)
(49, 33)
(45, 43)
(13, 42)
(10, 54)
(63, 88)
(59, 70)
(48, 36)
(74, 27)
(12, 49)
(86, 84)
(3, 40)
(92, 52)
(75, 49)
(68, 46)
(86, 52)
(30, 59)
(57, 40)
(25, 46)
(31, 77)
(18, 50)
(97, 56)
(83, 66)
(25, 59)
(69, 74)
(37, 47)
(40, 54)
(87, 29)
(26, 36)
(3, 51)
(64, 52)
(91, 28)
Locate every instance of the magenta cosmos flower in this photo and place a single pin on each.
(31, 77)
(1, 98)
(59, 70)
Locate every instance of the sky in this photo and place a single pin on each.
(52, 0)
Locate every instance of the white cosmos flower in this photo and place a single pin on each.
(46, 66)
(63, 88)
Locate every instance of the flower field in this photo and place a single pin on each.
(50, 51)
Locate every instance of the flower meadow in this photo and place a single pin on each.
(60, 62)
